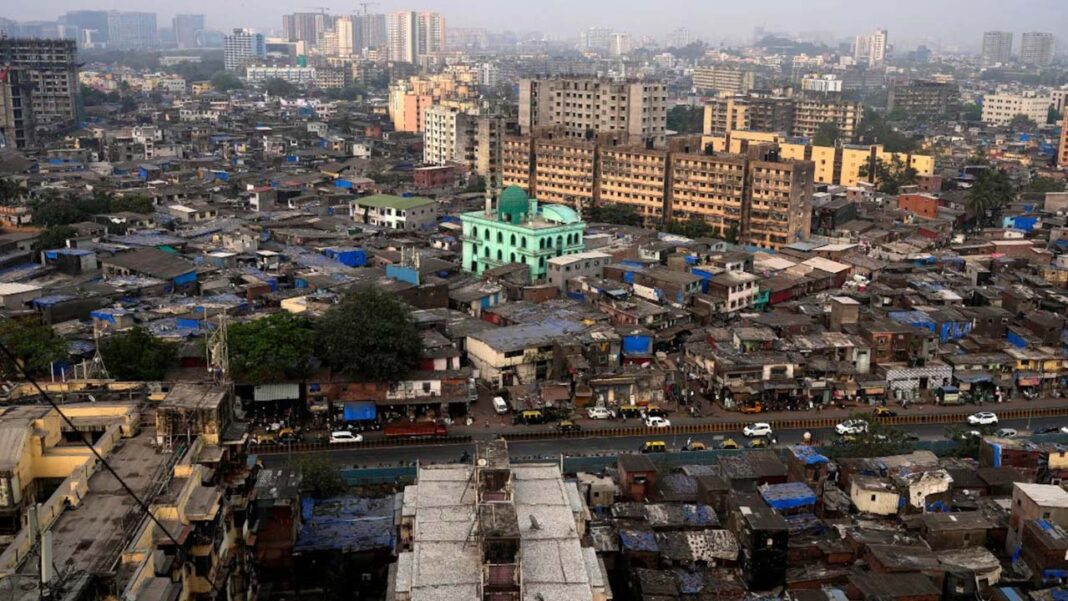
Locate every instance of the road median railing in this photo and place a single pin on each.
(380, 443)
(718, 427)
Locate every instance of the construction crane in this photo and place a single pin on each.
(322, 9)
(366, 7)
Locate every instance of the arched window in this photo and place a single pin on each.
(511, 259)
(474, 232)
(541, 262)
(500, 238)
(487, 234)
(541, 243)
(559, 241)
(523, 240)
(485, 252)
(513, 240)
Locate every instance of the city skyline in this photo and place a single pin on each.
(714, 22)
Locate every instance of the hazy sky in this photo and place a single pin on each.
(908, 21)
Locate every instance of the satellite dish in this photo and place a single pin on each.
(482, 462)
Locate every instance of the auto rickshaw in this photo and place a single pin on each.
(654, 446)
(695, 445)
(729, 444)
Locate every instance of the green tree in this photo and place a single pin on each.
(276, 347)
(972, 113)
(134, 204)
(34, 346)
(1052, 115)
(1042, 185)
(280, 87)
(891, 176)
(880, 440)
(617, 214)
(369, 335)
(992, 190)
(686, 119)
(319, 475)
(57, 210)
(874, 129)
(10, 191)
(691, 228)
(137, 355)
(1022, 123)
(55, 236)
(224, 81)
(828, 134)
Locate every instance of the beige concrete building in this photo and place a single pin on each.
(723, 80)
(448, 136)
(1062, 151)
(585, 106)
(841, 166)
(999, 109)
(758, 113)
(409, 99)
(811, 112)
(755, 194)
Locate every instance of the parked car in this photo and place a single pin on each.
(343, 436)
(531, 417)
(657, 422)
(653, 411)
(884, 412)
(852, 426)
(757, 429)
(630, 411)
(600, 413)
(500, 405)
(983, 418)
(568, 426)
(1005, 433)
(654, 446)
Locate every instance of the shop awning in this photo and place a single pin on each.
(974, 378)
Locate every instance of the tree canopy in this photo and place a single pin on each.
(827, 134)
(53, 209)
(136, 354)
(224, 81)
(992, 190)
(319, 475)
(891, 176)
(1042, 185)
(277, 347)
(35, 346)
(1022, 123)
(879, 440)
(874, 129)
(280, 87)
(686, 119)
(691, 228)
(369, 335)
(617, 214)
(55, 236)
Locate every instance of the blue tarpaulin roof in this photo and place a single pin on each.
(789, 495)
(346, 524)
(808, 455)
(638, 540)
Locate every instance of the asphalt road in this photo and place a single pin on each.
(445, 453)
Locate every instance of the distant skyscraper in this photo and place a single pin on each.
(345, 31)
(1036, 48)
(88, 20)
(188, 31)
(48, 71)
(241, 47)
(304, 27)
(595, 39)
(679, 38)
(620, 44)
(997, 48)
(370, 31)
(415, 34)
(870, 50)
(132, 30)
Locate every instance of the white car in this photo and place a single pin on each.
(657, 422)
(342, 436)
(1006, 433)
(852, 426)
(983, 418)
(757, 429)
(600, 413)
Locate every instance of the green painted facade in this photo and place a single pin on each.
(520, 231)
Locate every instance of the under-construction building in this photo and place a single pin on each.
(48, 69)
(494, 531)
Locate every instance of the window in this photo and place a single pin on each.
(873, 498)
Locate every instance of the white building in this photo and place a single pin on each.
(1036, 48)
(241, 47)
(999, 109)
(294, 75)
(415, 34)
(824, 84)
(563, 268)
(448, 136)
(395, 212)
(871, 49)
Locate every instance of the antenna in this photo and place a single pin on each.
(96, 366)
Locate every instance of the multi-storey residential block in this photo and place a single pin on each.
(394, 212)
(924, 98)
(241, 47)
(132, 30)
(997, 48)
(1000, 108)
(50, 69)
(413, 35)
(16, 109)
(1036, 48)
(755, 112)
(188, 31)
(584, 106)
(723, 80)
(1062, 154)
(811, 112)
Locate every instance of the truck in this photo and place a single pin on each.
(415, 430)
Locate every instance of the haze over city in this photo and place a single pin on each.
(912, 21)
